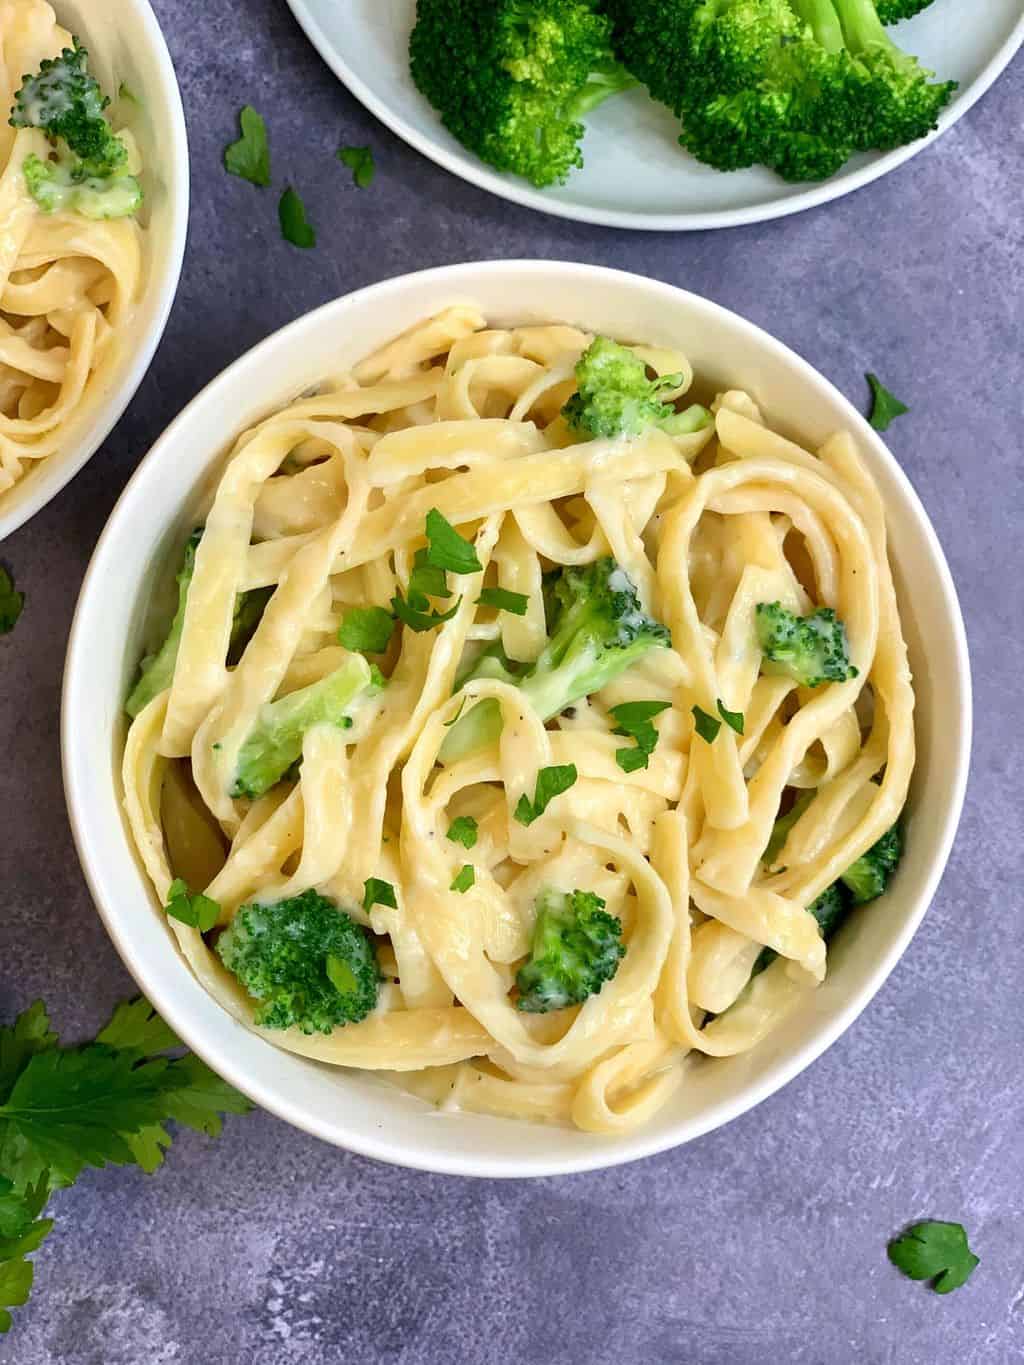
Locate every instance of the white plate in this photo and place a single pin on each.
(636, 175)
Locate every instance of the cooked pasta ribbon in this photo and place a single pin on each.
(323, 505)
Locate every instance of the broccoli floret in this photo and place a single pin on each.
(868, 877)
(892, 11)
(87, 174)
(797, 85)
(512, 79)
(576, 948)
(60, 187)
(615, 397)
(310, 965)
(596, 630)
(276, 739)
(157, 670)
(810, 649)
(66, 102)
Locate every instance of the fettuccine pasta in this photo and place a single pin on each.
(322, 509)
(68, 283)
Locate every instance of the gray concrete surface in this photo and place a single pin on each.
(763, 1244)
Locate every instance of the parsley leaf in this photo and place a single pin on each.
(69, 1109)
(21, 1231)
(426, 580)
(706, 726)
(551, 782)
(885, 406)
(934, 1251)
(291, 213)
(191, 908)
(249, 157)
(360, 162)
(197, 1097)
(464, 879)
(514, 602)
(367, 630)
(634, 720)
(734, 719)
(135, 1026)
(29, 1034)
(417, 618)
(11, 602)
(463, 831)
(446, 549)
(377, 892)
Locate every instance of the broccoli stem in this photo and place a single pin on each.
(824, 22)
(276, 740)
(863, 30)
(600, 87)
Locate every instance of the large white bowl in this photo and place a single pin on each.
(125, 45)
(358, 1111)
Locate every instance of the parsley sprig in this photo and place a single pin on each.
(106, 1102)
(551, 782)
(934, 1251)
(634, 719)
(885, 406)
(11, 602)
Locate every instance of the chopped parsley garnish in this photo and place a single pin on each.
(734, 719)
(551, 782)
(11, 602)
(416, 618)
(706, 726)
(446, 549)
(463, 831)
(249, 157)
(197, 911)
(366, 630)
(426, 580)
(377, 892)
(291, 213)
(360, 162)
(514, 602)
(634, 720)
(885, 406)
(934, 1251)
(464, 879)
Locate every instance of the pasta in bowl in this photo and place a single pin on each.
(528, 715)
(94, 202)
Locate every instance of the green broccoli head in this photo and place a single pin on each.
(868, 877)
(796, 85)
(275, 742)
(66, 102)
(892, 11)
(596, 630)
(810, 649)
(830, 909)
(60, 187)
(615, 397)
(308, 964)
(576, 948)
(511, 79)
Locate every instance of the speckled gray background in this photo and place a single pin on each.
(763, 1244)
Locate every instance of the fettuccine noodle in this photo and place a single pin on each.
(68, 284)
(324, 503)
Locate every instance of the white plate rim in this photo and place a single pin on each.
(467, 167)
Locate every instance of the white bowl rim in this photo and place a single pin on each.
(386, 1148)
(468, 167)
(166, 280)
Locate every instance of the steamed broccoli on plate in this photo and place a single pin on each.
(513, 79)
(795, 85)
(87, 171)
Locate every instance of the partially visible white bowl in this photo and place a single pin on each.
(125, 45)
(355, 1110)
